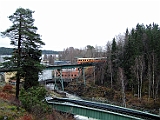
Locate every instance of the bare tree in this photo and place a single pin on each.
(121, 76)
(149, 80)
(109, 63)
(51, 60)
(45, 57)
(138, 70)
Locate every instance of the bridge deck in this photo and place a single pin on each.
(52, 67)
(68, 66)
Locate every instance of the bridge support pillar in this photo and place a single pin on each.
(61, 80)
(94, 74)
(83, 71)
(79, 71)
(55, 79)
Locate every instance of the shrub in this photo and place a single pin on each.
(32, 101)
(26, 117)
(7, 88)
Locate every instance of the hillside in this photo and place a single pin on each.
(11, 109)
(8, 51)
(103, 94)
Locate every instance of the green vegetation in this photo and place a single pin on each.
(130, 75)
(137, 53)
(33, 101)
(31, 107)
(10, 107)
(26, 54)
(10, 111)
(132, 68)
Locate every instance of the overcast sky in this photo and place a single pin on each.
(78, 23)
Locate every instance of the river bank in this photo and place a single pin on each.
(102, 94)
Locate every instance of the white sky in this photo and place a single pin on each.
(78, 23)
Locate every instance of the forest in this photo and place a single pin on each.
(132, 62)
(135, 54)
(6, 51)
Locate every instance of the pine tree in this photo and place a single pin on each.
(26, 42)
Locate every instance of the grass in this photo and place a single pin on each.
(9, 108)
(9, 111)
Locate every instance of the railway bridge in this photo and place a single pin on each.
(53, 78)
(99, 111)
(60, 79)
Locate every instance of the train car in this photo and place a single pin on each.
(91, 60)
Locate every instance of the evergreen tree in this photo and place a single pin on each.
(114, 59)
(26, 55)
(114, 49)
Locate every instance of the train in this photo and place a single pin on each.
(91, 60)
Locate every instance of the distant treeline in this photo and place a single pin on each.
(8, 51)
(49, 52)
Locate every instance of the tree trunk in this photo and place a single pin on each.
(137, 76)
(110, 69)
(19, 57)
(153, 76)
(149, 80)
(156, 90)
(123, 86)
(141, 74)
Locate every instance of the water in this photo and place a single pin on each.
(46, 74)
(77, 117)
(2, 58)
